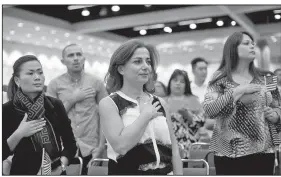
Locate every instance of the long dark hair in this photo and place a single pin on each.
(113, 79)
(230, 58)
(12, 86)
(177, 72)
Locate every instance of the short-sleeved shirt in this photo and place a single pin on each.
(84, 115)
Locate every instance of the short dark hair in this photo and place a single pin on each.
(277, 70)
(196, 60)
(66, 47)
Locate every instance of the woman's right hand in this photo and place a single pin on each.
(150, 110)
(248, 88)
(28, 128)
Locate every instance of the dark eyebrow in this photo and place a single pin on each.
(35, 70)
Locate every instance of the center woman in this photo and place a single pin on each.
(136, 123)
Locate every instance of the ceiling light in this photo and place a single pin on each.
(66, 34)
(147, 5)
(115, 8)
(80, 37)
(99, 48)
(233, 23)
(91, 40)
(43, 37)
(101, 42)
(143, 32)
(220, 23)
(168, 29)
(20, 25)
(8, 38)
(28, 35)
(277, 16)
(193, 26)
(57, 40)
(85, 12)
(37, 28)
(53, 31)
(12, 32)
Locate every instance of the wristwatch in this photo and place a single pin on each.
(63, 167)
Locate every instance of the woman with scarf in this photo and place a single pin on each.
(35, 126)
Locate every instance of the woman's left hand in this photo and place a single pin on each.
(270, 114)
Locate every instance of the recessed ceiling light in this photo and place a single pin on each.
(193, 26)
(233, 23)
(91, 40)
(20, 25)
(28, 35)
(115, 8)
(143, 32)
(80, 37)
(220, 23)
(277, 16)
(12, 32)
(66, 34)
(37, 28)
(57, 40)
(43, 37)
(85, 12)
(168, 29)
(147, 5)
(53, 31)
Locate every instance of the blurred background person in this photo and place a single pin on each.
(160, 89)
(186, 111)
(136, 123)
(32, 121)
(200, 71)
(247, 113)
(80, 93)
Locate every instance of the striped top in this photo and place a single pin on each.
(154, 150)
(241, 128)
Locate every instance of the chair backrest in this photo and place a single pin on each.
(75, 167)
(191, 171)
(99, 170)
(200, 150)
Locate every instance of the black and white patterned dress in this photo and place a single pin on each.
(241, 128)
(153, 154)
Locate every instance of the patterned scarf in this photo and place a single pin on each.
(35, 110)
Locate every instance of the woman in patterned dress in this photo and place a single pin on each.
(186, 111)
(247, 113)
(136, 123)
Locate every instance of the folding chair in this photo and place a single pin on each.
(200, 150)
(191, 171)
(99, 170)
(73, 169)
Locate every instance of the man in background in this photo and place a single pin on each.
(80, 93)
(199, 69)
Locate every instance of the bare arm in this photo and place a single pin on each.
(122, 138)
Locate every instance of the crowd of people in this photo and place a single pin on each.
(134, 120)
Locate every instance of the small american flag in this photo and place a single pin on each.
(46, 168)
(270, 82)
